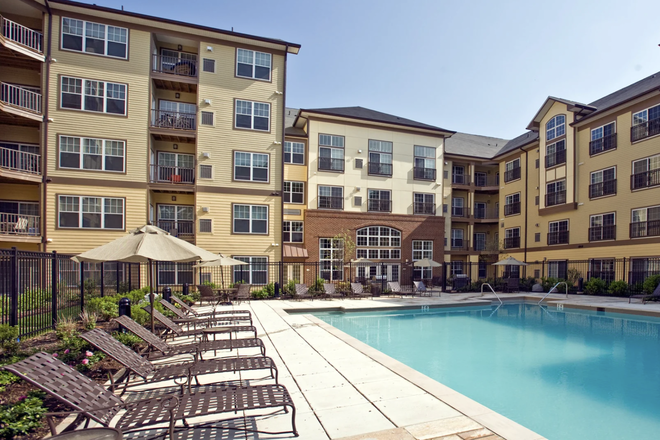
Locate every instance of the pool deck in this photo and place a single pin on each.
(344, 389)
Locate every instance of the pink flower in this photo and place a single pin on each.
(85, 361)
(89, 353)
(66, 351)
(55, 355)
(22, 398)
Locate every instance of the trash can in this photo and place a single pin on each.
(167, 294)
(277, 290)
(124, 310)
(580, 285)
(186, 289)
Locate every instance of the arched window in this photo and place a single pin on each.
(555, 127)
(378, 242)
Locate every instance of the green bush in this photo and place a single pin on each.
(595, 286)
(526, 284)
(290, 287)
(618, 288)
(139, 315)
(210, 284)
(651, 283)
(128, 339)
(9, 341)
(317, 286)
(549, 282)
(21, 418)
(259, 294)
(6, 377)
(33, 299)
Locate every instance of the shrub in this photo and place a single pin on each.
(88, 319)
(20, 418)
(317, 286)
(6, 377)
(549, 282)
(139, 315)
(651, 283)
(128, 339)
(105, 308)
(89, 360)
(260, 294)
(595, 286)
(290, 287)
(89, 288)
(66, 328)
(210, 284)
(618, 288)
(9, 341)
(526, 284)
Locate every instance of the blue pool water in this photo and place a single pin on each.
(566, 374)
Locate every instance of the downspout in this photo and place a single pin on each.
(526, 200)
(44, 149)
(286, 51)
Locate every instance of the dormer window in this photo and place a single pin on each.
(555, 127)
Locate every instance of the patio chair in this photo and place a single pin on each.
(242, 293)
(655, 296)
(421, 289)
(175, 329)
(166, 350)
(207, 294)
(331, 291)
(192, 312)
(396, 288)
(182, 318)
(302, 292)
(358, 291)
(512, 285)
(142, 367)
(89, 399)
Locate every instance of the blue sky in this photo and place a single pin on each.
(480, 67)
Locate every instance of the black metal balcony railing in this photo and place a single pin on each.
(20, 97)
(22, 161)
(180, 228)
(174, 66)
(381, 169)
(511, 242)
(556, 158)
(460, 212)
(512, 208)
(555, 198)
(330, 164)
(424, 208)
(602, 188)
(163, 173)
(460, 179)
(650, 228)
(603, 144)
(485, 213)
(460, 244)
(644, 130)
(19, 224)
(558, 237)
(377, 205)
(481, 180)
(598, 233)
(424, 173)
(173, 120)
(330, 202)
(512, 174)
(22, 35)
(645, 179)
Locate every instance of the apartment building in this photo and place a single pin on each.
(371, 177)
(111, 119)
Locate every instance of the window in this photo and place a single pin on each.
(555, 127)
(424, 165)
(458, 207)
(294, 153)
(555, 154)
(91, 212)
(380, 200)
(480, 179)
(331, 256)
(458, 175)
(208, 65)
(512, 204)
(603, 139)
(457, 239)
(511, 238)
(422, 249)
(479, 241)
(91, 154)
(175, 168)
(205, 225)
(602, 268)
(206, 171)
(174, 273)
(292, 232)
(207, 118)
(250, 166)
(479, 210)
(252, 115)
(424, 203)
(331, 197)
(602, 227)
(555, 193)
(642, 268)
(178, 220)
(380, 157)
(483, 269)
(512, 170)
(331, 152)
(645, 222)
(254, 272)
(89, 37)
(558, 269)
(378, 243)
(558, 232)
(93, 96)
(537, 237)
(294, 192)
(456, 268)
(646, 173)
(252, 64)
(250, 219)
(645, 123)
(603, 183)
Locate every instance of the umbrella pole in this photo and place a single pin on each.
(151, 295)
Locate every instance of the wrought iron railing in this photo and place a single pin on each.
(512, 208)
(460, 179)
(485, 213)
(174, 66)
(331, 164)
(381, 169)
(22, 161)
(558, 237)
(377, 205)
(603, 144)
(173, 120)
(645, 179)
(511, 242)
(512, 174)
(481, 180)
(170, 174)
(19, 224)
(22, 35)
(424, 208)
(331, 202)
(424, 173)
(460, 211)
(20, 97)
(460, 244)
(182, 228)
(556, 158)
(649, 228)
(598, 233)
(602, 188)
(555, 198)
(645, 129)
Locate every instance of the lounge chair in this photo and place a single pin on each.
(331, 291)
(358, 291)
(242, 293)
(182, 318)
(421, 289)
(142, 367)
(655, 296)
(396, 288)
(92, 401)
(167, 350)
(192, 312)
(175, 329)
(512, 285)
(302, 292)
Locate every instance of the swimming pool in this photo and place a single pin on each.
(566, 374)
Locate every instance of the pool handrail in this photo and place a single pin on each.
(553, 288)
(492, 290)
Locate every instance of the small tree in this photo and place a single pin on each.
(346, 237)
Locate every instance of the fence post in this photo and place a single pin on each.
(102, 279)
(82, 286)
(13, 308)
(117, 267)
(130, 277)
(444, 277)
(54, 289)
(281, 277)
(624, 271)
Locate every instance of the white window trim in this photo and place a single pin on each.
(84, 36)
(290, 145)
(557, 222)
(591, 180)
(555, 128)
(290, 222)
(642, 111)
(81, 154)
(506, 164)
(251, 115)
(250, 219)
(507, 235)
(105, 96)
(102, 213)
(591, 217)
(290, 192)
(251, 179)
(511, 196)
(603, 127)
(555, 185)
(250, 265)
(254, 65)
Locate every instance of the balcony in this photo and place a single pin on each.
(330, 202)
(558, 237)
(376, 205)
(556, 158)
(172, 126)
(331, 164)
(599, 233)
(460, 244)
(555, 198)
(170, 178)
(174, 73)
(511, 242)
(183, 229)
(645, 179)
(460, 212)
(424, 173)
(605, 143)
(424, 208)
(512, 208)
(18, 101)
(485, 214)
(20, 165)
(484, 180)
(460, 179)
(21, 39)
(644, 130)
(380, 169)
(19, 227)
(512, 174)
(650, 228)
(602, 189)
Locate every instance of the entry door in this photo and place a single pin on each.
(294, 272)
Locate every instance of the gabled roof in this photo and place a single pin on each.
(365, 114)
(289, 119)
(573, 106)
(517, 142)
(473, 145)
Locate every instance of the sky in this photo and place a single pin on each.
(480, 67)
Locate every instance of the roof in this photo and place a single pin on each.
(517, 142)
(366, 114)
(289, 119)
(473, 145)
(550, 100)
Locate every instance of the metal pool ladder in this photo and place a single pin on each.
(492, 290)
(555, 287)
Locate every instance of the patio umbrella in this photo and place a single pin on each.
(221, 261)
(359, 261)
(510, 261)
(426, 262)
(146, 244)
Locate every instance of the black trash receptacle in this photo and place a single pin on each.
(580, 285)
(186, 289)
(277, 290)
(124, 310)
(167, 294)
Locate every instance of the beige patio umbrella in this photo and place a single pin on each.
(221, 261)
(510, 261)
(426, 262)
(147, 244)
(359, 261)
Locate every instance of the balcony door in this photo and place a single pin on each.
(175, 167)
(170, 59)
(178, 220)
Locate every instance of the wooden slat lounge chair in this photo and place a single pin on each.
(242, 293)
(331, 291)
(655, 296)
(357, 291)
(142, 367)
(166, 350)
(192, 312)
(89, 399)
(175, 329)
(302, 292)
(396, 288)
(182, 318)
(207, 294)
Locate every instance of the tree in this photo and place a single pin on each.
(346, 237)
